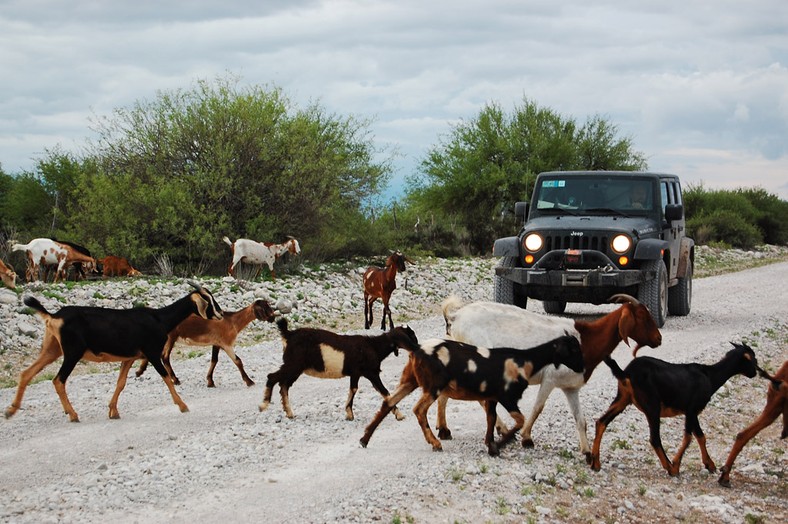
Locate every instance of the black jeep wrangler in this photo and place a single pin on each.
(588, 235)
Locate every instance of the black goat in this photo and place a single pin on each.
(323, 354)
(110, 335)
(465, 372)
(662, 389)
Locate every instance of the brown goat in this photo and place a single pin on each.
(220, 334)
(380, 283)
(776, 405)
(7, 275)
(117, 267)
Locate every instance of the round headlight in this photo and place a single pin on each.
(533, 242)
(621, 244)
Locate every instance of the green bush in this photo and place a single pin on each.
(724, 226)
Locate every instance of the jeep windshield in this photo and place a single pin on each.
(593, 195)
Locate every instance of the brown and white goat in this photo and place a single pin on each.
(42, 252)
(323, 354)
(776, 405)
(663, 389)
(465, 372)
(259, 253)
(380, 283)
(7, 275)
(78, 258)
(109, 335)
(490, 324)
(220, 334)
(113, 266)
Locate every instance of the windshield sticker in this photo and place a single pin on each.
(554, 183)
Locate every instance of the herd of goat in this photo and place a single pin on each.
(492, 353)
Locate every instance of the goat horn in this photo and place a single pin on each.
(623, 298)
(194, 284)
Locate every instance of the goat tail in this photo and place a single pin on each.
(615, 368)
(35, 304)
(450, 306)
(227, 241)
(281, 323)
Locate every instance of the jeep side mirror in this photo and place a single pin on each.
(674, 212)
(521, 211)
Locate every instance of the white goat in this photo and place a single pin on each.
(490, 324)
(251, 252)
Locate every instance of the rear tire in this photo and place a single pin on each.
(654, 293)
(554, 307)
(504, 290)
(680, 295)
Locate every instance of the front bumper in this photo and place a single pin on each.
(553, 277)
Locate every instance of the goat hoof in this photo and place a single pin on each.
(349, 417)
(528, 443)
(250, 383)
(444, 434)
(589, 458)
(437, 448)
(363, 442)
(493, 450)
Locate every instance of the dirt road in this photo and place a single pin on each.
(226, 461)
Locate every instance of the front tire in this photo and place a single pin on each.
(654, 293)
(680, 295)
(504, 290)
(554, 307)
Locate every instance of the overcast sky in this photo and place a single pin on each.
(701, 87)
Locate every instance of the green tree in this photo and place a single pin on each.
(194, 165)
(476, 173)
(26, 206)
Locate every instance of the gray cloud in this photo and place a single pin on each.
(701, 87)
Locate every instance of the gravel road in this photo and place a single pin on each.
(226, 461)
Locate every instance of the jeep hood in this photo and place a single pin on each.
(641, 226)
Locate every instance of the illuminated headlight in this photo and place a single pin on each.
(533, 242)
(621, 244)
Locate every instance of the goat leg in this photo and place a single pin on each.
(770, 413)
(402, 391)
(122, 376)
(519, 420)
(444, 433)
(420, 410)
(350, 395)
(50, 351)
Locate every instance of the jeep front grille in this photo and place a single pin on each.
(597, 243)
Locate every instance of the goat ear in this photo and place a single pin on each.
(202, 305)
(626, 324)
